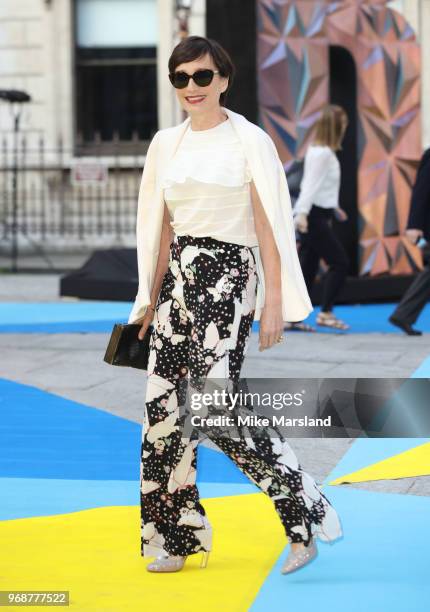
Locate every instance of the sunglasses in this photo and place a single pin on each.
(202, 78)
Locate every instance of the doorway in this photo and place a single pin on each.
(343, 91)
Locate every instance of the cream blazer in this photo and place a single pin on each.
(271, 185)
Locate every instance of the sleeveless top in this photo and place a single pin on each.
(207, 187)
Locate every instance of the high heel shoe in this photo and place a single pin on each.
(296, 560)
(173, 563)
(205, 559)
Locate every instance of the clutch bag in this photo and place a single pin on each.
(125, 348)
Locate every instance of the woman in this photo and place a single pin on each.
(315, 208)
(213, 195)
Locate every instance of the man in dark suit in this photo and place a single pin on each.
(418, 227)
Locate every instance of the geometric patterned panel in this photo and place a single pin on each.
(293, 41)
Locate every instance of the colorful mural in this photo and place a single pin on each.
(294, 38)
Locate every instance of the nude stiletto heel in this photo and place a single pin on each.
(165, 563)
(296, 560)
(205, 558)
(174, 563)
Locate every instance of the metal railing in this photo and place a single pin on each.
(49, 194)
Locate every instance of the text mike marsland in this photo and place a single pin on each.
(258, 421)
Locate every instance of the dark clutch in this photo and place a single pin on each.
(125, 348)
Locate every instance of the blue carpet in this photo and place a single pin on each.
(85, 316)
(379, 565)
(69, 327)
(99, 317)
(62, 312)
(368, 318)
(48, 436)
(424, 370)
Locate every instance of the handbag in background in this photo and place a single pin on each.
(125, 348)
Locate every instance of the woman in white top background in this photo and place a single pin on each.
(203, 299)
(315, 209)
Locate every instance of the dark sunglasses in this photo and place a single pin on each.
(202, 78)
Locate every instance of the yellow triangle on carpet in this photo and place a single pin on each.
(95, 555)
(413, 462)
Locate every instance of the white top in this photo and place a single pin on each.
(321, 180)
(207, 186)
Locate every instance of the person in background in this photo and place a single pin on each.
(418, 229)
(315, 209)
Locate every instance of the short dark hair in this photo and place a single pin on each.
(194, 47)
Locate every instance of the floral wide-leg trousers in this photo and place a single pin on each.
(202, 325)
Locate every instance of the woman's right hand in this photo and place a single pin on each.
(301, 223)
(145, 321)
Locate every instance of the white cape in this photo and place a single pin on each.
(271, 184)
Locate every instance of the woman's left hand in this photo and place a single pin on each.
(271, 326)
(301, 223)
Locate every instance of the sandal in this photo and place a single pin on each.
(331, 321)
(299, 326)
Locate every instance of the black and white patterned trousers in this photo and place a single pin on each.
(202, 326)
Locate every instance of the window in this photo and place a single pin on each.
(116, 76)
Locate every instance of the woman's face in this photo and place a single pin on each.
(200, 100)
